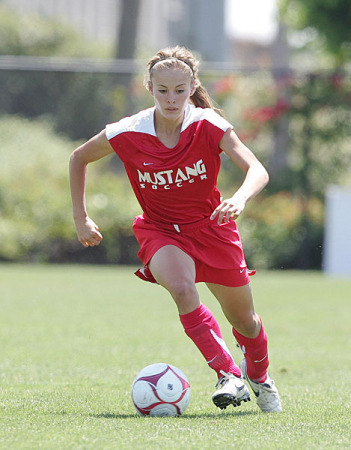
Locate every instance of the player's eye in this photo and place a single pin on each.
(162, 91)
(180, 91)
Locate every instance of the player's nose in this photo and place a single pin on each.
(171, 98)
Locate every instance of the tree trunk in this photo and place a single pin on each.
(128, 29)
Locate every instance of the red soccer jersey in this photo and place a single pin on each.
(173, 185)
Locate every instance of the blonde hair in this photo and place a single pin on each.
(183, 59)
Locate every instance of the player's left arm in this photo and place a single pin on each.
(256, 177)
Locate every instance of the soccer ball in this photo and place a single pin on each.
(160, 390)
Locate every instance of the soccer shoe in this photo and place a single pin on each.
(266, 393)
(231, 390)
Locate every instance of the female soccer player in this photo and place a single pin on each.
(187, 234)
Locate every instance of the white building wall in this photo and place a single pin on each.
(337, 240)
(198, 24)
(95, 18)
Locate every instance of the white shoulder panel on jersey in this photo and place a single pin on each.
(142, 122)
(193, 114)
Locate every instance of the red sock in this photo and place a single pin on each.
(201, 326)
(256, 354)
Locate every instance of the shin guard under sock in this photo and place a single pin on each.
(256, 354)
(201, 326)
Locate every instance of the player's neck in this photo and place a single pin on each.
(168, 131)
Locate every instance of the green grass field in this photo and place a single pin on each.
(73, 338)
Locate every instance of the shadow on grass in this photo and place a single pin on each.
(184, 417)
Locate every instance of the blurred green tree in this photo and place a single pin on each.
(35, 211)
(35, 35)
(78, 104)
(330, 18)
(285, 229)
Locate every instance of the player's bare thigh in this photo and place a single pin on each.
(238, 306)
(175, 270)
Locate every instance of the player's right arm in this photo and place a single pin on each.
(96, 148)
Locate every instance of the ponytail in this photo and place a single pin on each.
(201, 98)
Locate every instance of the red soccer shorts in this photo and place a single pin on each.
(217, 250)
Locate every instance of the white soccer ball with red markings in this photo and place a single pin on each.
(161, 390)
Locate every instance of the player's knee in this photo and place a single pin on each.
(248, 326)
(183, 292)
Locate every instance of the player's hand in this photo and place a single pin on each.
(88, 232)
(229, 209)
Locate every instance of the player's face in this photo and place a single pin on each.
(171, 89)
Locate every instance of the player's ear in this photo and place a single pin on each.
(150, 87)
(193, 88)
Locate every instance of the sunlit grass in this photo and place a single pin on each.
(73, 338)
